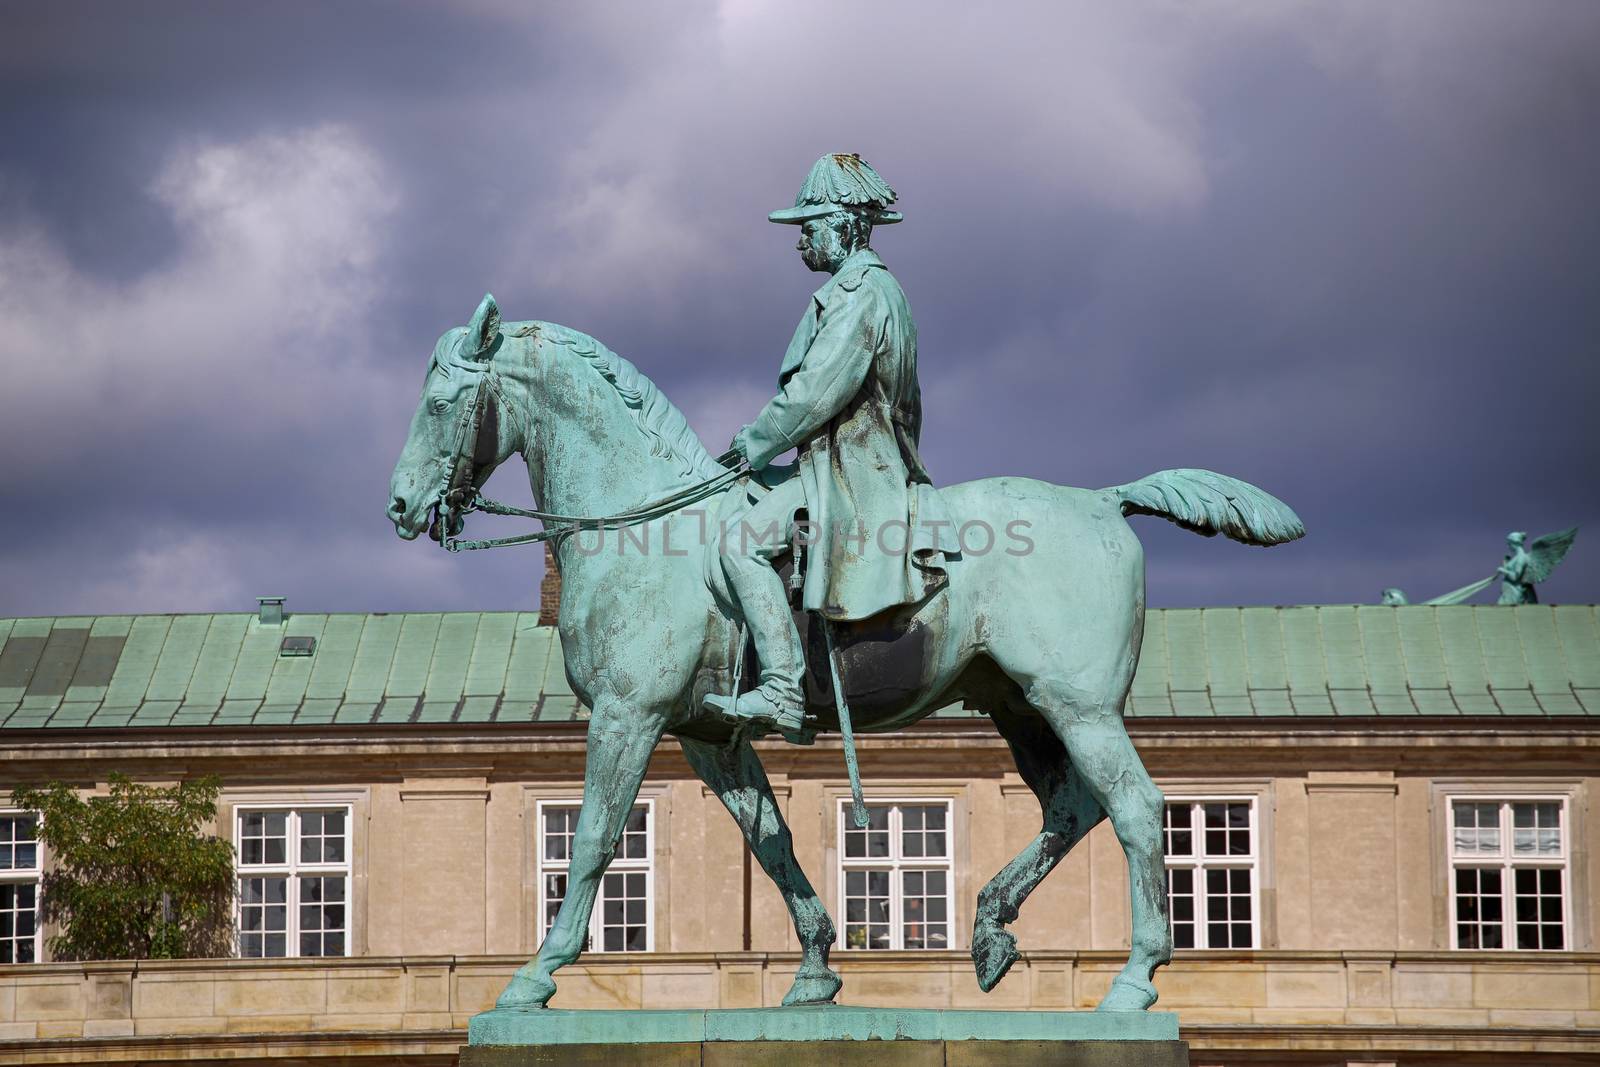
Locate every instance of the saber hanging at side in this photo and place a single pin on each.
(858, 805)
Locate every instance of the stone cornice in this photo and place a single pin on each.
(1170, 747)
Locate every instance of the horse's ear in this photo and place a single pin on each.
(483, 328)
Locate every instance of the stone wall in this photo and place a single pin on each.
(414, 1009)
(1354, 898)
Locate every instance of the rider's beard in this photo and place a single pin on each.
(819, 258)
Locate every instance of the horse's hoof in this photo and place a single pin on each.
(815, 988)
(994, 950)
(1128, 994)
(525, 994)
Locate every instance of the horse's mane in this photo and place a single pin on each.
(657, 418)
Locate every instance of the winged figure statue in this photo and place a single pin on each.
(1528, 564)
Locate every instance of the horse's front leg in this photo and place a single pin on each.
(621, 739)
(735, 772)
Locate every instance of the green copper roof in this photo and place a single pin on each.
(225, 670)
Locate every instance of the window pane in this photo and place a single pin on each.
(867, 910)
(277, 837)
(634, 835)
(18, 848)
(555, 891)
(559, 826)
(1180, 894)
(1536, 828)
(1477, 827)
(264, 838)
(1539, 908)
(333, 849)
(1179, 830)
(18, 903)
(923, 924)
(1227, 828)
(322, 837)
(321, 913)
(1478, 907)
(1228, 911)
(624, 922)
(922, 831)
(872, 842)
(263, 916)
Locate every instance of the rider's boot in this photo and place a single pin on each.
(777, 702)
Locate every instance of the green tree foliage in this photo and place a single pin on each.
(133, 875)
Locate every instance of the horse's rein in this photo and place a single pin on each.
(455, 503)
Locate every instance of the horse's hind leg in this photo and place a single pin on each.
(1070, 811)
(1089, 724)
(620, 741)
(735, 773)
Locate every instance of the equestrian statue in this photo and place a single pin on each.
(1021, 599)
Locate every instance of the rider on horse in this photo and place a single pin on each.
(848, 400)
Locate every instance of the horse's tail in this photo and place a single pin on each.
(1209, 503)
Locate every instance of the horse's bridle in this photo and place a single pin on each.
(476, 446)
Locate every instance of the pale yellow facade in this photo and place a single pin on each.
(1352, 910)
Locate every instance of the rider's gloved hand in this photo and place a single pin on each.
(741, 445)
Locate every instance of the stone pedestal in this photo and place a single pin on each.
(830, 1036)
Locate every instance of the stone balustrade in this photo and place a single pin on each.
(413, 1009)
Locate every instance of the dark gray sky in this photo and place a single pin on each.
(1348, 252)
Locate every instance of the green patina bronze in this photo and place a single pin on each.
(1524, 566)
(1020, 598)
(1527, 564)
(1396, 598)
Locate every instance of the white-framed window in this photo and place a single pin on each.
(21, 866)
(1509, 873)
(623, 919)
(293, 864)
(1213, 872)
(895, 875)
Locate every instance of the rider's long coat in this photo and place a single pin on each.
(848, 398)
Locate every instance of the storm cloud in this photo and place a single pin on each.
(1346, 252)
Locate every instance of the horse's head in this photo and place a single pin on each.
(456, 440)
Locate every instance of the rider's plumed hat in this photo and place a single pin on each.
(841, 181)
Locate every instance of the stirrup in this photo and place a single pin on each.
(783, 719)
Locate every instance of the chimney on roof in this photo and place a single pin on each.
(549, 590)
(271, 611)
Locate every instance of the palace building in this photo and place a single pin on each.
(1382, 844)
